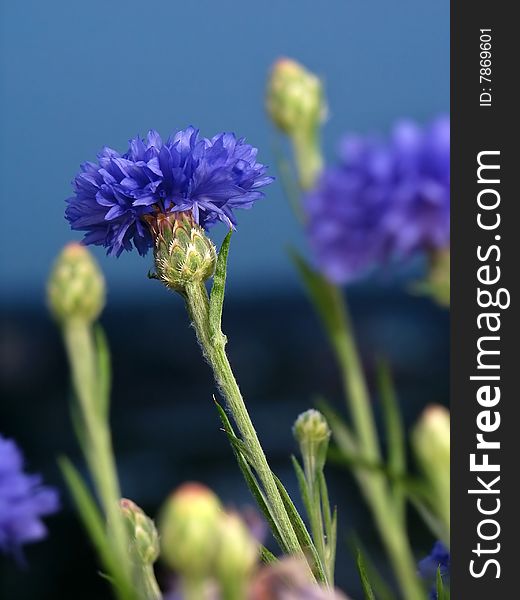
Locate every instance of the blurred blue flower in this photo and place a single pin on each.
(23, 501)
(439, 558)
(385, 200)
(209, 177)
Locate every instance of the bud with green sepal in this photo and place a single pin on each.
(182, 251)
(236, 557)
(431, 445)
(76, 296)
(143, 534)
(189, 526)
(312, 432)
(296, 105)
(144, 548)
(76, 288)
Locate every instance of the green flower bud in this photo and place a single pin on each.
(312, 432)
(143, 534)
(431, 445)
(76, 288)
(189, 526)
(294, 98)
(183, 253)
(237, 555)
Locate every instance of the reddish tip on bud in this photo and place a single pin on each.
(189, 530)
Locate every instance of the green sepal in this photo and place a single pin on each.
(216, 300)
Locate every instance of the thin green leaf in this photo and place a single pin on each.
(442, 592)
(104, 370)
(266, 556)
(325, 296)
(301, 531)
(325, 505)
(341, 432)
(430, 518)
(251, 481)
(216, 301)
(367, 588)
(395, 436)
(78, 425)
(89, 513)
(380, 587)
(333, 540)
(302, 484)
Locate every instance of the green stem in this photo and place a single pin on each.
(341, 334)
(149, 584)
(315, 513)
(213, 348)
(373, 485)
(309, 161)
(97, 443)
(393, 533)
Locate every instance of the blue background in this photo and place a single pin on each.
(79, 75)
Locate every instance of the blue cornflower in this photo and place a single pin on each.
(23, 501)
(209, 178)
(439, 558)
(384, 200)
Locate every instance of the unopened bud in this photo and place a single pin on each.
(294, 97)
(189, 527)
(237, 554)
(431, 445)
(312, 432)
(183, 253)
(76, 288)
(143, 534)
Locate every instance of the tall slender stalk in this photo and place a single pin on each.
(213, 348)
(373, 484)
(97, 444)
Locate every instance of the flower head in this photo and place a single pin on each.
(439, 558)
(143, 534)
(188, 530)
(23, 501)
(76, 287)
(384, 200)
(294, 97)
(208, 177)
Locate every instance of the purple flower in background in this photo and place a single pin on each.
(23, 501)
(208, 177)
(385, 200)
(439, 558)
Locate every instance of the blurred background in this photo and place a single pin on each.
(76, 76)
